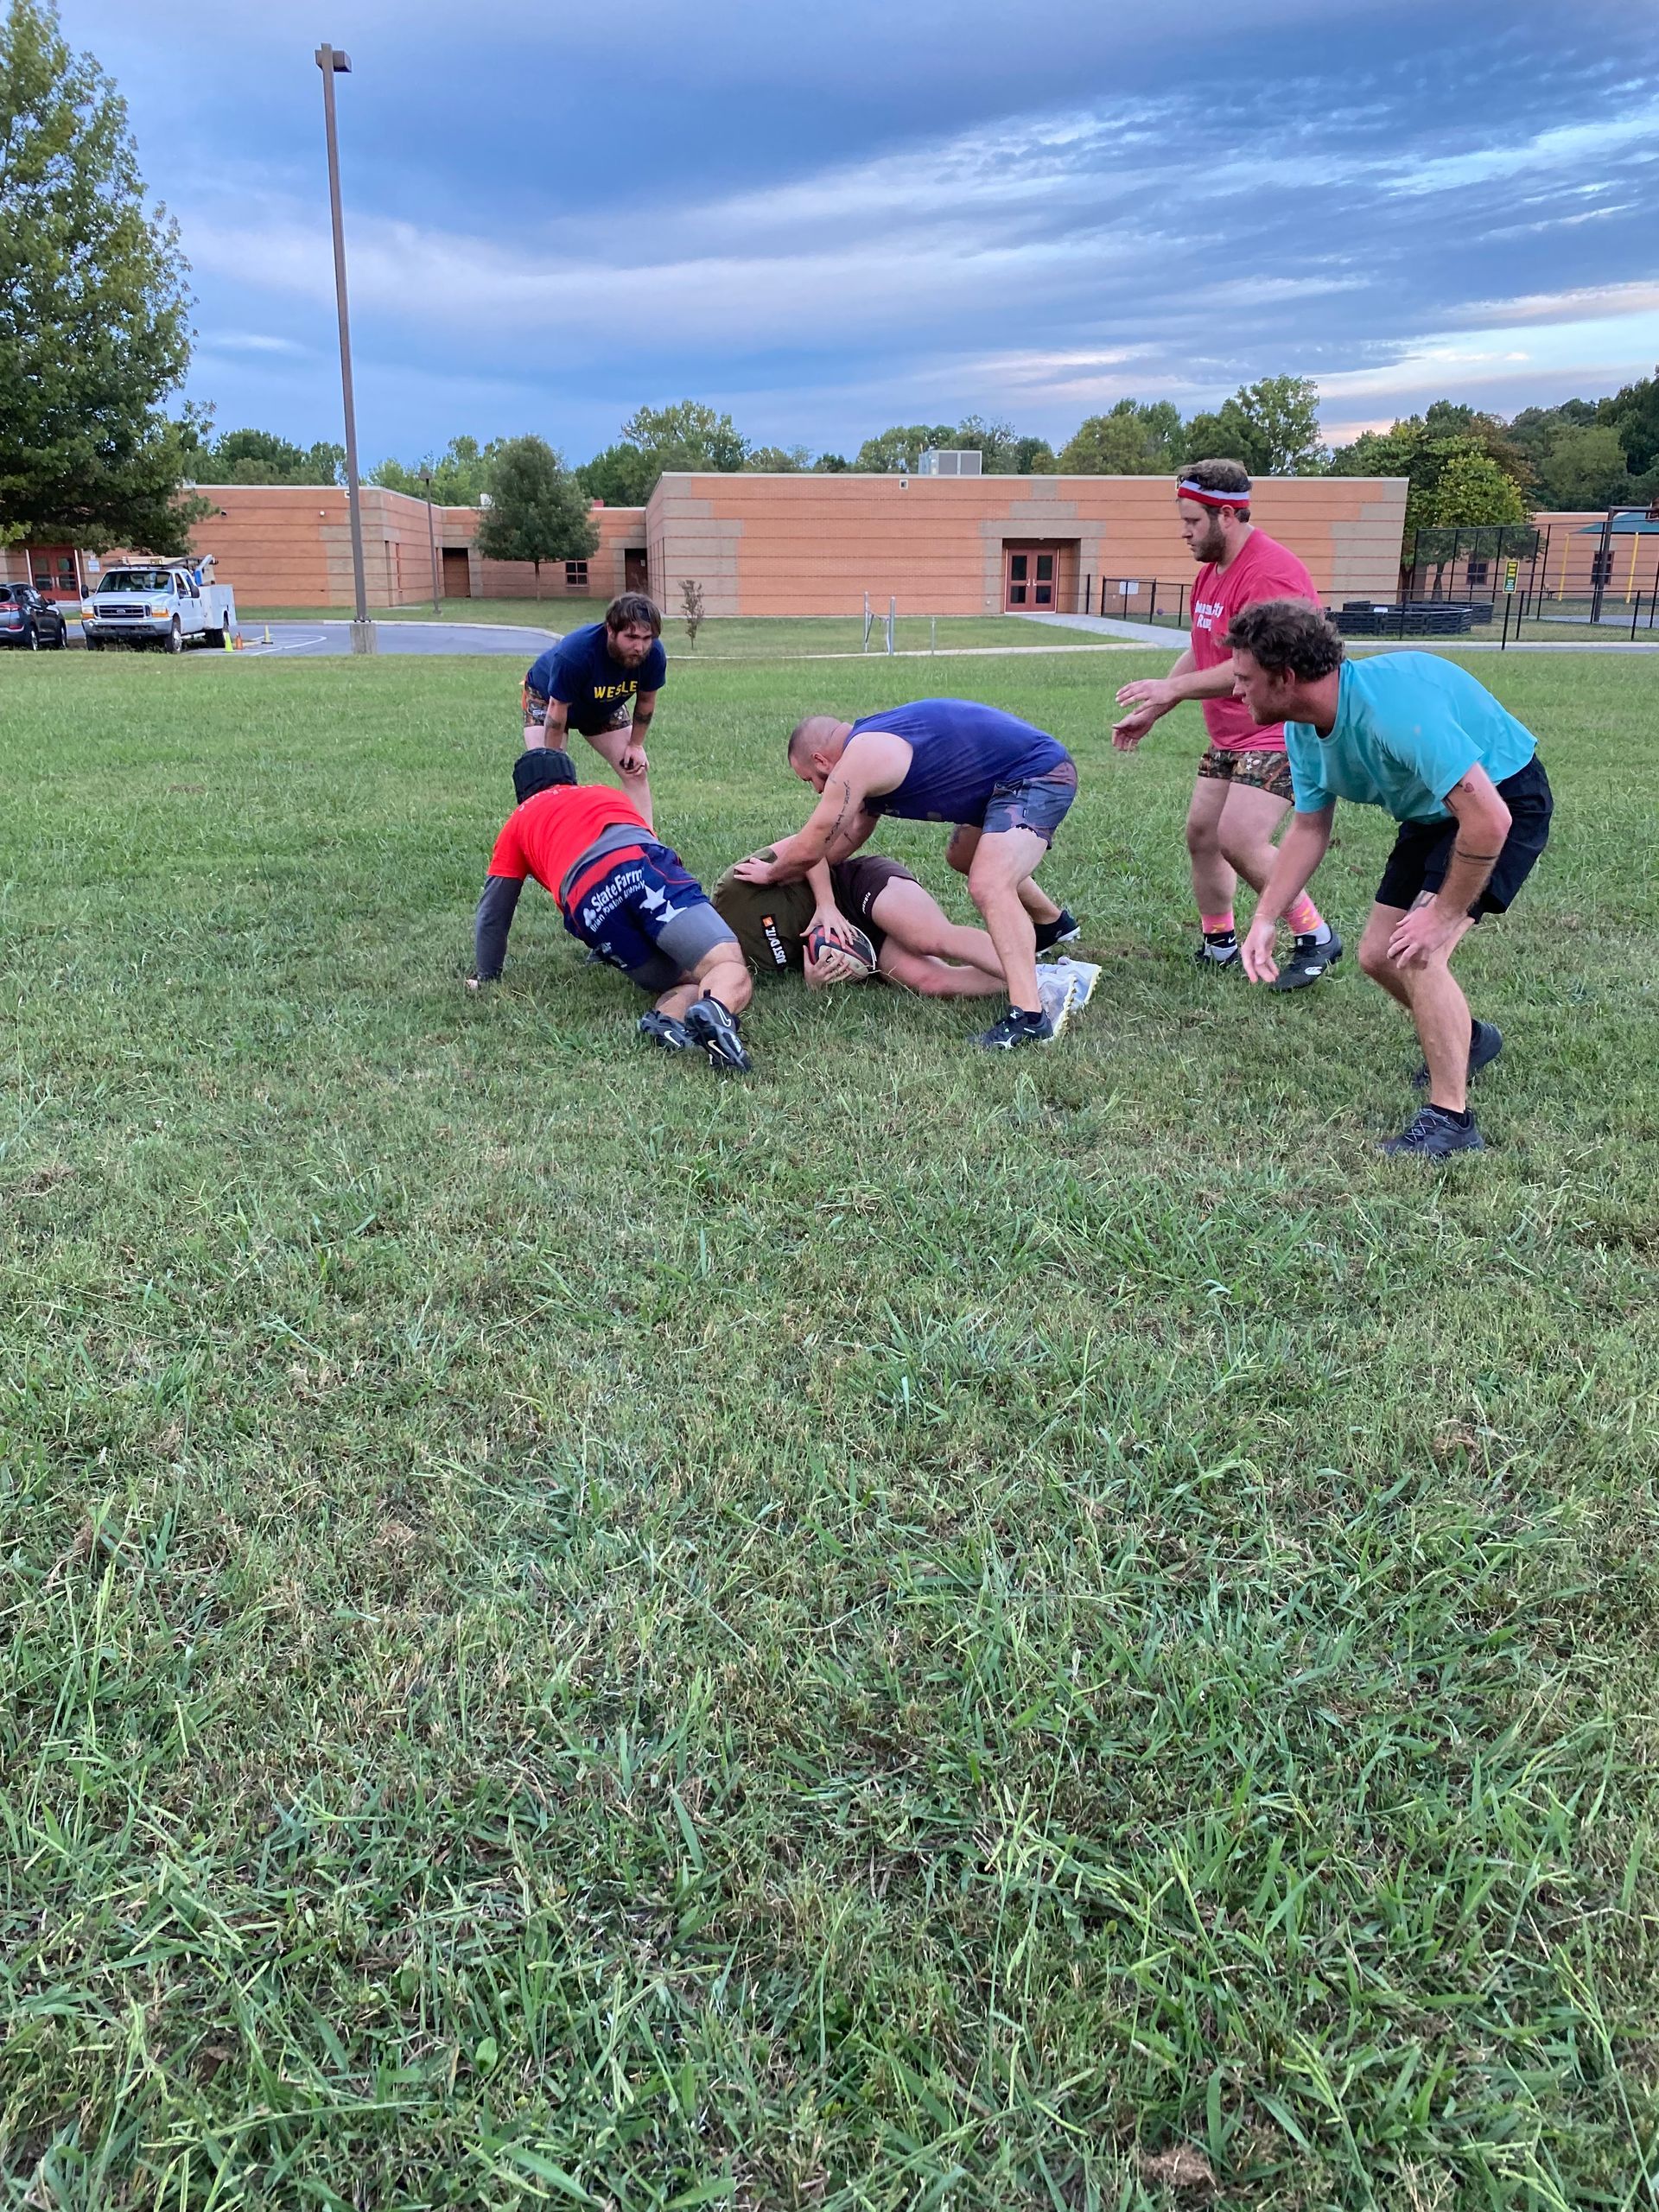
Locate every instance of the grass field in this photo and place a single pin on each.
(910, 1631)
(724, 638)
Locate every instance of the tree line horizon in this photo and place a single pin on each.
(1465, 466)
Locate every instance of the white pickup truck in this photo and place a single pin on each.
(170, 604)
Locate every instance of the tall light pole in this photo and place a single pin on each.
(333, 63)
(432, 543)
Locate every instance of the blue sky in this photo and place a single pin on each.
(831, 219)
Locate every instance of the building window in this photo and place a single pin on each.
(1478, 572)
(1601, 568)
(575, 575)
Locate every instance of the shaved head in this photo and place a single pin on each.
(818, 734)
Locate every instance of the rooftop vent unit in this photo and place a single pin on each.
(965, 460)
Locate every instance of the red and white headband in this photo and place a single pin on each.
(1208, 498)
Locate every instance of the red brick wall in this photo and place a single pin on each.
(290, 545)
(816, 544)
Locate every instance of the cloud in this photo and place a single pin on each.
(1042, 227)
(1598, 302)
(249, 341)
(1562, 146)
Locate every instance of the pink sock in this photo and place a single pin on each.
(1304, 916)
(1216, 925)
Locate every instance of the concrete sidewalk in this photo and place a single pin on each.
(1108, 625)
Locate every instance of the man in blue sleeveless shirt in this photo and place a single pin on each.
(1420, 737)
(1005, 786)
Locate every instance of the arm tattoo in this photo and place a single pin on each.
(845, 804)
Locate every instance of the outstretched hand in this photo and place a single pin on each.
(1128, 733)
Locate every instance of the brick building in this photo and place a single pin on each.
(788, 545)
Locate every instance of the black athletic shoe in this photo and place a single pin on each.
(1434, 1135)
(1309, 960)
(709, 1024)
(1017, 1028)
(1064, 929)
(663, 1029)
(1485, 1043)
(1224, 955)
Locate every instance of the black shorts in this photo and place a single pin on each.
(1422, 851)
(858, 883)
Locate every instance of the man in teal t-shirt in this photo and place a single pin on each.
(1419, 737)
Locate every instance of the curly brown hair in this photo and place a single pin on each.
(1280, 635)
(633, 606)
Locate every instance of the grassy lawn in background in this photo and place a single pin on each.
(723, 638)
(912, 1631)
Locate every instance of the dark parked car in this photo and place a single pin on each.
(26, 618)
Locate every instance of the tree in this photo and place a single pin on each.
(1445, 418)
(461, 475)
(537, 511)
(1634, 413)
(776, 461)
(621, 476)
(1380, 453)
(688, 435)
(831, 464)
(94, 331)
(1586, 467)
(902, 447)
(1227, 434)
(261, 457)
(997, 444)
(1471, 488)
(691, 609)
(1132, 440)
(1535, 429)
(1034, 457)
(1284, 412)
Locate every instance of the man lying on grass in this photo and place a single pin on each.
(1419, 737)
(1005, 785)
(623, 895)
(869, 916)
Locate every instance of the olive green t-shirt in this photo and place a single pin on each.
(767, 920)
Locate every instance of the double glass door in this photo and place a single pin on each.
(1030, 577)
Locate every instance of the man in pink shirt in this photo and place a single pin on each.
(1243, 787)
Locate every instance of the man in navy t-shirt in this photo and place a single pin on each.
(603, 680)
(1003, 783)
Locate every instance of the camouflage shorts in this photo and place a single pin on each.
(1259, 770)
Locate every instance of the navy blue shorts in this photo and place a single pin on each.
(642, 910)
(1041, 803)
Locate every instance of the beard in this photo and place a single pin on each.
(1210, 543)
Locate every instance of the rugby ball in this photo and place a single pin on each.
(856, 945)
